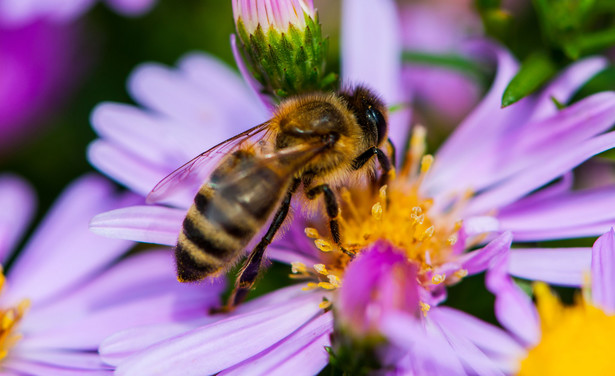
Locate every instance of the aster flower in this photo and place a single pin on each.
(23, 12)
(34, 61)
(473, 192)
(64, 292)
(380, 325)
(558, 339)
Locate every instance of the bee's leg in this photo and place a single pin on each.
(384, 161)
(393, 152)
(333, 210)
(252, 265)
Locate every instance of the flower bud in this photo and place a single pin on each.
(281, 44)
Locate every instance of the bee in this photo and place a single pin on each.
(317, 141)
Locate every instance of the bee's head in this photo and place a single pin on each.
(370, 112)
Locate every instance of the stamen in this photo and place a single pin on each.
(323, 245)
(310, 286)
(324, 304)
(311, 233)
(425, 308)
(320, 268)
(428, 233)
(382, 193)
(438, 278)
(426, 163)
(452, 240)
(461, 273)
(334, 280)
(377, 211)
(326, 285)
(298, 267)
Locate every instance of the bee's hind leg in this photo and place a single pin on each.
(249, 272)
(333, 210)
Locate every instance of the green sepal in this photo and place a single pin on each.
(537, 69)
(289, 62)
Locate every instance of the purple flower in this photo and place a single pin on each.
(66, 291)
(22, 12)
(561, 339)
(37, 68)
(504, 174)
(380, 299)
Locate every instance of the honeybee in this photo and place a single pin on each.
(316, 141)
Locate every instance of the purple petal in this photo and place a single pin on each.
(488, 338)
(479, 260)
(568, 210)
(521, 145)
(559, 266)
(145, 135)
(119, 299)
(539, 174)
(429, 350)
(215, 347)
(603, 272)
(52, 261)
(564, 86)
(513, 308)
(138, 175)
(71, 360)
(370, 55)
(593, 229)
(454, 160)
(378, 281)
(474, 360)
(17, 203)
(25, 367)
(118, 347)
(303, 350)
(230, 89)
(148, 224)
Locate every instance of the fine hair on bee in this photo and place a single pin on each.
(317, 141)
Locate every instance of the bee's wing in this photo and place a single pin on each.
(285, 163)
(194, 173)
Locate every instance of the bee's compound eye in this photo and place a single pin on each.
(376, 118)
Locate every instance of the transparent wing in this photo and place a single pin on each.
(188, 178)
(284, 163)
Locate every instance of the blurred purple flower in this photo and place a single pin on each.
(487, 185)
(65, 291)
(38, 70)
(22, 12)
(380, 297)
(557, 339)
(439, 94)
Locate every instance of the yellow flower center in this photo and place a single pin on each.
(397, 214)
(576, 340)
(9, 319)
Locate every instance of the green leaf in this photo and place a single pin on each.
(535, 71)
(448, 61)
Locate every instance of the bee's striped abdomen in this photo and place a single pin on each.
(225, 216)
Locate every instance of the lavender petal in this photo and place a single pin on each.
(603, 272)
(148, 224)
